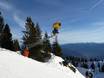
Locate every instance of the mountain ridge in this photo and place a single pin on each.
(83, 49)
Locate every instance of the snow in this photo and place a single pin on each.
(14, 65)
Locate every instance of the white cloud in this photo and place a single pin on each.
(18, 20)
(9, 7)
(5, 6)
(98, 23)
(78, 37)
(95, 34)
(96, 4)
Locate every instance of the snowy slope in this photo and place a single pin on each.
(13, 65)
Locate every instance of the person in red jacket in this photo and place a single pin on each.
(26, 52)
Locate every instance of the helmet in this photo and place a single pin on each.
(56, 25)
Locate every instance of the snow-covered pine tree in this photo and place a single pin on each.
(31, 39)
(6, 40)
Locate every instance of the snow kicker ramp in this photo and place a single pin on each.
(13, 65)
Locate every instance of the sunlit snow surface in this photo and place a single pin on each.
(14, 65)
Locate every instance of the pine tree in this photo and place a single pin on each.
(6, 39)
(32, 39)
(56, 49)
(16, 45)
(30, 32)
(47, 44)
(1, 26)
(102, 68)
(38, 31)
(1, 23)
(47, 47)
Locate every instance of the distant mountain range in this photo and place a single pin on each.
(84, 49)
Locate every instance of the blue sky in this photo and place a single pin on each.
(82, 20)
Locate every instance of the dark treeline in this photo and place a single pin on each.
(82, 59)
(89, 63)
(39, 48)
(5, 35)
